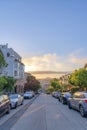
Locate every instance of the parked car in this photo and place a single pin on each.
(64, 97)
(47, 92)
(56, 94)
(28, 94)
(15, 100)
(4, 104)
(79, 102)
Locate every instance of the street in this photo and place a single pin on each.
(47, 113)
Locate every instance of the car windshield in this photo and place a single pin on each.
(13, 96)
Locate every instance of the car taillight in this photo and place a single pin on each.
(85, 100)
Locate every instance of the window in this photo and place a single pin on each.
(15, 73)
(8, 54)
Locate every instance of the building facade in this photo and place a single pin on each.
(15, 67)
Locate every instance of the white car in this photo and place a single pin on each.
(28, 95)
(15, 100)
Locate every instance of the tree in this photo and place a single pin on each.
(55, 84)
(2, 60)
(79, 78)
(3, 82)
(49, 89)
(32, 84)
(9, 86)
(85, 66)
(74, 89)
(64, 88)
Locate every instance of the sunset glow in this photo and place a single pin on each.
(29, 68)
(47, 35)
(54, 62)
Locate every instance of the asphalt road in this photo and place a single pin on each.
(8, 120)
(46, 113)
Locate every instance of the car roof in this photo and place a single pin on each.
(83, 92)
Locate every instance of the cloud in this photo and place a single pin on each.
(79, 61)
(44, 62)
(77, 52)
(76, 58)
(54, 62)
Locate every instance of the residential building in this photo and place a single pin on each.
(15, 67)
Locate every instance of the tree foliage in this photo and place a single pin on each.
(31, 84)
(49, 89)
(55, 84)
(74, 89)
(2, 60)
(64, 88)
(79, 78)
(85, 66)
(10, 84)
(3, 82)
(7, 83)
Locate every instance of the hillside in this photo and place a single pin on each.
(48, 72)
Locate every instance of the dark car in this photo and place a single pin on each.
(4, 104)
(64, 97)
(78, 101)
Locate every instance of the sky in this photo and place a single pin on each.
(48, 34)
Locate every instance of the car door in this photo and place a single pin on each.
(1, 105)
(77, 98)
(73, 100)
(19, 99)
(61, 97)
(6, 102)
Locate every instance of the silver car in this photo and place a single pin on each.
(79, 102)
(15, 100)
(28, 94)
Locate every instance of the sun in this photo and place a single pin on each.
(29, 68)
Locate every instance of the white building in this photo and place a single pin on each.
(15, 67)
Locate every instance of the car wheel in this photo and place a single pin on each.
(16, 105)
(69, 105)
(62, 101)
(22, 103)
(9, 108)
(59, 99)
(82, 112)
